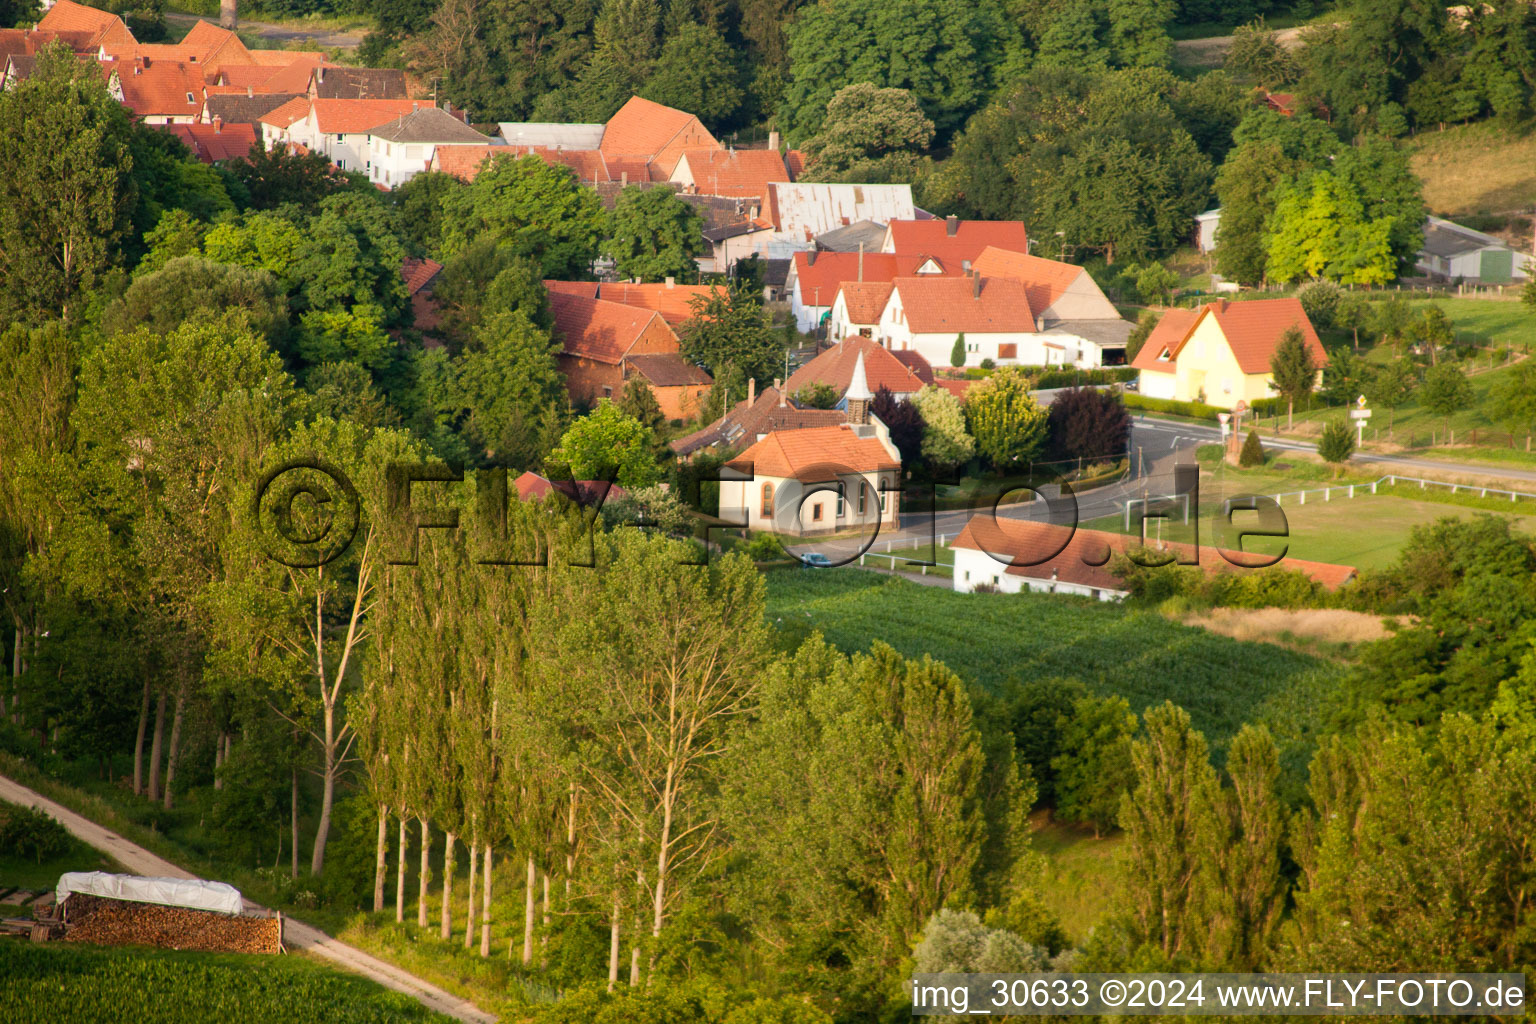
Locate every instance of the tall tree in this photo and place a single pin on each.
(65, 191)
(652, 234)
(541, 211)
(863, 123)
(1001, 414)
(1445, 392)
(1293, 371)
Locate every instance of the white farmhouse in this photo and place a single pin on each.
(927, 314)
(401, 149)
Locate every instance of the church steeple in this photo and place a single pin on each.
(858, 395)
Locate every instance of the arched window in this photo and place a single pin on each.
(767, 503)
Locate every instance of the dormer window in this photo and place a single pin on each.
(1164, 356)
(190, 99)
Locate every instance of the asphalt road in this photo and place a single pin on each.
(296, 934)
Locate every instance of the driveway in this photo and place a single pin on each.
(296, 933)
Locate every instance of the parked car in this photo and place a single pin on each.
(815, 560)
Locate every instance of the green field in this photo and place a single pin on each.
(1476, 168)
(989, 639)
(1079, 881)
(46, 984)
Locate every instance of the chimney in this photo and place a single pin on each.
(228, 13)
(218, 124)
(671, 282)
(778, 385)
(965, 265)
(250, 91)
(951, 225)
(861, 262)
(773, 141)
(975, 286)
(751, 392)
(623, 179)
(810, 258)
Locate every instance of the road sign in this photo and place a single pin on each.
(1241, 407)
(1224, 416)
(1359, 414)
(1360, 401)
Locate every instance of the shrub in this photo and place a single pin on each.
(1253, 451)
(763, 547)
(25, 832)
(1194, 410)
(1087, 423)
(1320, 301)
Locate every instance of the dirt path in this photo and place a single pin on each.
(322, 37)
(295, 933)
(1211, 51)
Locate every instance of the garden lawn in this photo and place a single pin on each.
(53, 982)
(1079, 886)
(989, 639)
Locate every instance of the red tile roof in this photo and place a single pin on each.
(914, 361)
(284, 116)
(1044, 280)
(865, 300)
(737, 173)
(970, 237)
(531, 487)
(767, 413)
(1062, 553)
(418, 273)
(672, 301)
(343, 117)
(104, 28)
(1171, 330)
(835, 367)
(161, 88)
(1253, 331)
(595, 329)
(807, 454)
(586, 289)
(820, 280)
(464, 162)
(668, 370)
(643, 128)
(938, 304)
(794, 162)
(958, 388)
(215, 143)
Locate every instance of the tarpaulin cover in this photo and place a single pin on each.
(170, 892)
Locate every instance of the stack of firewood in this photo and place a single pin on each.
(106, 922)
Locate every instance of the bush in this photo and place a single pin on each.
(764, 547)
(1194, 410)
(1320, 301)
(25, 832)
(1253, 451)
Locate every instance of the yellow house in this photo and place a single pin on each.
(1220, 353)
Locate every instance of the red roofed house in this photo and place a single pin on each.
(857, 308)
(955, 242)
(656, 134)
(815, 277)
(340, 129)
(217, 142)
(420, 276)
(159, 91)
(101, 27)
(754, 418)
(839, 367)
(672, 300)
(604, 344)
(737, 173)
(1015, 554)
(927, 314)
(1078, 324)
(533, 487)
(1220, 353)
(819, 479)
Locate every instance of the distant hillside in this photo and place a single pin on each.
(1476, 168)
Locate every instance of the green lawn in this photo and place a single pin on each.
(989, 639)
(53, 982)
(28, 873)
(1079, 886)
(1477, 168)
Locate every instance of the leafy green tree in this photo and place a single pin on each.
(1002, 416)
(259, 241)
(1390, 386)
(1138, 32)
(190, 287)
(607, 442)
(1446, 391)
(1246, 186)
(1528, 294)
(1155, 283)
(541, 211)
(1379, 171)
(697, 72)
(923, 46)
(1257, 57)
(1337, 443)
(1320, 300)
(1093, 769)
(353, 335)
(511, 387)
(956, 940)
(730, 331)
(65, 190)
(1138, 337)
(1512, 400)
(18, 12)
(280, 177)
(638, 402)
(350, 255)
(1346, 376)
(817, 395)
(176, 233)
(1293, 371)
(1432, 331)
(864, 122)
(1071, 39)
(945, 444)
(1089, 424)
(652, 234)
(420, 202)
(1321, 230)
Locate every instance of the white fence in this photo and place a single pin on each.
(1328, 493)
